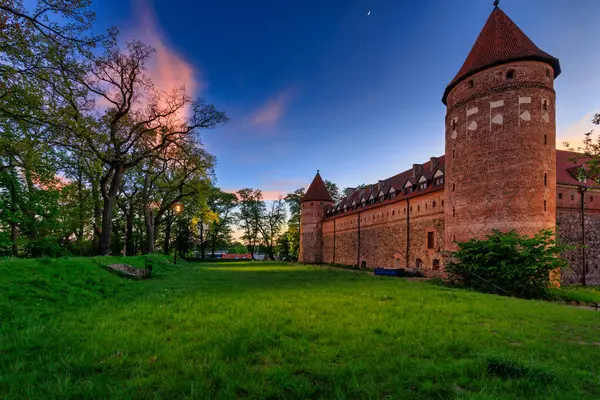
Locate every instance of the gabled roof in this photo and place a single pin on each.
(500, 42)
(317, 191)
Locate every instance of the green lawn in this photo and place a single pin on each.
(72, 330)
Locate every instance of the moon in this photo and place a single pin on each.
(369, 12)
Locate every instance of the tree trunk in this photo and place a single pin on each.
(148, 218)
(13, 210)
(97, 216)
(167, 246)
(202, 241)
(81, 209)
(109, 198)
(129, 241)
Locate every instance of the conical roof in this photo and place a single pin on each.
(500, 41)
(317, 191)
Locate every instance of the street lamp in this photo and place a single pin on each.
(178, 208)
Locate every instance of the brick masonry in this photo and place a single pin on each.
(500, 173)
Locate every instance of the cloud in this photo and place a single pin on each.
(267, 194)
(167, 69)
(575, 133)
(271, 112)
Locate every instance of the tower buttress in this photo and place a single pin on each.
(313, 208)
(501, 136)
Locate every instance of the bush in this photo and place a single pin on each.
(508, 264)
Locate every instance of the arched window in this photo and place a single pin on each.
(418, 264)
(436, 264)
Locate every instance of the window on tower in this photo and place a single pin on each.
(510, 74)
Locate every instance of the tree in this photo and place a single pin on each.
(222, 205)
(250, 208)
(138, 123)
(293, 202)
(334, 191)
(271, 220)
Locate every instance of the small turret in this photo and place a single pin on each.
(313, 208)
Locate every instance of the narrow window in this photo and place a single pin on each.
(545, 139)
(393, 212)
(430, 240)
(453, 124)
(547, 73)
(544, 205)
(453, 187)
(418, 208)
(454, 239)
(453, 153)
(471, 83)
(510, 74)
(591, 198)
(442, 202)
(545, 105)
(426, 206)
(560, 196)
(453, 212)
(572, 197)
(433, 205)
(545, 179)
(410, 209)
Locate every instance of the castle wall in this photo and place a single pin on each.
(377, 236)
(569, 231)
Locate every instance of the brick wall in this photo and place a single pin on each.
(569, 230)
(500, 152)
(384, 232)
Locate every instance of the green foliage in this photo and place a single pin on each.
(72, 330)
(508, 263)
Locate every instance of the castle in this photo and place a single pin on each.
(501, 170)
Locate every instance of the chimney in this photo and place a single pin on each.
(417, 168)
(433, 163)
(348, 191)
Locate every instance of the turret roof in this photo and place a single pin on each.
(500, 41)
(317, 191)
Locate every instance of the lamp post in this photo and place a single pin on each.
(178, 208)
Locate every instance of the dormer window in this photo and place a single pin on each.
(423, 186)
(439, 181)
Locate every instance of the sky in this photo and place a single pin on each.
(321, 85)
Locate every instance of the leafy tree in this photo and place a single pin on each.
(222, 205)
(334, 191)
(248, 216)
(293, 234)
(508, 263)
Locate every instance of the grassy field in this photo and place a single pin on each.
(72, 330)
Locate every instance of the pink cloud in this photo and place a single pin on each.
(267, 194)
(575, 133)
(271, 112)
(167, 69)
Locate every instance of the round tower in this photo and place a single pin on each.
(501, 136)
(313, 207)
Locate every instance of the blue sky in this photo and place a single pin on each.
(322, 85)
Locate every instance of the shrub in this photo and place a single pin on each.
(508, 264)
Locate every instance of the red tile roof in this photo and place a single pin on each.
(317, 191)
(567, 167)
(500, 41)
(566, 174)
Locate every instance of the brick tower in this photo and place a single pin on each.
(501, 136)
(313, 206)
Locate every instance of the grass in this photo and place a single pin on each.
(579, 294)
(72, 330)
